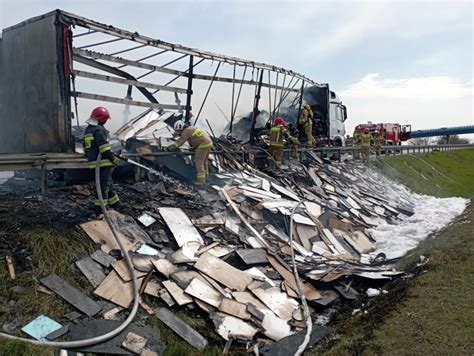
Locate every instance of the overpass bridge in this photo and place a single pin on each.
(443, 131)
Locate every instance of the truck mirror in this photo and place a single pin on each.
(344, 111)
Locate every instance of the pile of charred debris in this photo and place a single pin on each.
(225, 252)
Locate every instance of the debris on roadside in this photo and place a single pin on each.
(226, 251)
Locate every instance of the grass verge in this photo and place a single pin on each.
(432, 313)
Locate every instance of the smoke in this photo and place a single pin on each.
(241, 126)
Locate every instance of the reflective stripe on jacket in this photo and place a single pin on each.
(365, 139)
(96, 139)
(306, 117)
(195, 136)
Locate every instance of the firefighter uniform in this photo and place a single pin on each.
(202, 143)
(292, 140)
(95, 141)
(306, 120)
(377, 144)
(277, 135)
(356, 137)
(365, 145)
(356, 142)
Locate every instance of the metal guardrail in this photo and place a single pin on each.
(50, 161)
(390, 150)
(75, 160)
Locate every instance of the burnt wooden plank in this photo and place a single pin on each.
(103, 258)
(290, 344)
(71, 295)
(181, 328)
(253, 256)
(91, 271)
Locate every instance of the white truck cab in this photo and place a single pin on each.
(337, 117)
(329, 115)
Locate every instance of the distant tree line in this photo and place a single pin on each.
(440, 140)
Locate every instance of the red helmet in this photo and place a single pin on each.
(280, 121)
(100, 114)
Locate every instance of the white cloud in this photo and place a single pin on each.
(419, 88)
(424, 102)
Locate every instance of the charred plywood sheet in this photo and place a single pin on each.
(289, 193)
(234, 308)
(231, 327)
(305, 233)
(290, 344)
(71, 295)
(181, 227)
(248, 298)
(100, 233)
(85, 329)
(204, 292)
(122, 270)
(91, 271)
(102, 258)
(165, 267)
(309, 291)
(359, 242)
(252, 256)
(223, 272)
(337, 245)
(113, 288)
(177, 293)
(277, 302)
(181, 328)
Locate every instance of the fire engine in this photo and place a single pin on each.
(391, 134)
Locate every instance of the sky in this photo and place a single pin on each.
(389, 61)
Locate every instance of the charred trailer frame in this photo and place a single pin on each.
(36, 109)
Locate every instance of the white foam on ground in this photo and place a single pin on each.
(4, 176)
(430, 215)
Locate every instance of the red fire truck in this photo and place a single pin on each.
(391, 134)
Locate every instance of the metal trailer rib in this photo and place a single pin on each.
(207, 93)
(101, 43)
(112, 99)
(108, 78)
(238, 96)
(71, 19)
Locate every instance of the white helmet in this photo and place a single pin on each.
(178, 125)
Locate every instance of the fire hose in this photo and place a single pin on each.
(307, 316)
(136, 297)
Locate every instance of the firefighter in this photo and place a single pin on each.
(200, 141)
(356, 137)
(356, 142)
(377, 144)
(349, 140)
(96, 139)
(365, 145)
(293, 139)
(306, 120)
(278, 133)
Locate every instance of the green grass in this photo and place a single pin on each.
(432, 313)
(17, 348)
(52, 250)
(55, 248)
(442, 174)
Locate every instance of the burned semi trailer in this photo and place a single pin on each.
(329, 115)
(58, 64)
(35, 112)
